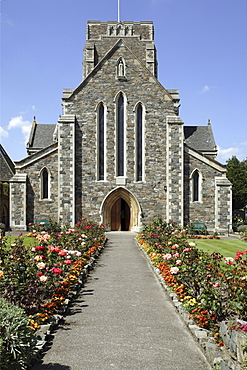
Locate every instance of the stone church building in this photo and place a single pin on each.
(119, 153)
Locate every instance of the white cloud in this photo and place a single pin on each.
(3, 133)
(238, 151)
(18, 122)
(6, 20)
(205, 89)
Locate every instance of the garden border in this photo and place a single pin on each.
(218, 357)
(47, 329)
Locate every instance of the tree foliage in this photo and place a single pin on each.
(236, 172)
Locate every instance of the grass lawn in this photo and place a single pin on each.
(226, 247)
(28, 241)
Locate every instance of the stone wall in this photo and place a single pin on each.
(102, 36)
(18, 201)
(29, 202)
(104, 87)
(209, 207)
(66, 169)
(174, 169)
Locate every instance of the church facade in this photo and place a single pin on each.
(119, 153)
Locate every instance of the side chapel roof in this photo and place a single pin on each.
(41, 136)
(200, 138)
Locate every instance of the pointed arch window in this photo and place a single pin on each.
(101, 142)
(45, 184)
(139, 143)
(195, 186)
(120, 135)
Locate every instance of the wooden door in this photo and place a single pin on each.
(120, 216)
(116, 215)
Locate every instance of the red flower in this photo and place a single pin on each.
(62, 253)
(239, 254)
(67, 262)
(56, 271)
(39, 248)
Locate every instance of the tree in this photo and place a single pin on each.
(236, 172)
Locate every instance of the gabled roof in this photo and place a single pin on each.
(69, 93)
(7, 167)
(41, 136)
(200, 138)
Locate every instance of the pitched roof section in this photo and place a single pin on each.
(69, 93)
(7, 167)
(41, 136)
(200, 138)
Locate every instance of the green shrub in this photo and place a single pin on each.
(17, 341)
(242, 228)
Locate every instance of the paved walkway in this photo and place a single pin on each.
(123, 319)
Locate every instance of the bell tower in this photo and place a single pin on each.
(102, 36)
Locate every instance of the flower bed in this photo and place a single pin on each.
(42, 279)
(209, 289)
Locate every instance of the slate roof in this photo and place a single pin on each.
(200, 138)
(7, 167)
(41, 136)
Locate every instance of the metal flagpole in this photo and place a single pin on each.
(118, 11)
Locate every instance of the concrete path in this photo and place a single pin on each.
(123, 319)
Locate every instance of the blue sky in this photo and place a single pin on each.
(201, 47)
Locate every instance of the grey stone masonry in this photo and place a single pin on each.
(102, 36)
(174, 169)
(66, 169)
(18, 202)
(223, 202)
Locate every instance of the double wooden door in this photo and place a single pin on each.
(120, 216)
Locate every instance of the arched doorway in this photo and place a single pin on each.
(120, 210)
(120, 215)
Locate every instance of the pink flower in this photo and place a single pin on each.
(179, 262)
(209, 276)
(56, 270)
(186, 250)
(167, 256)
(176, 255)
(57, 249)
(216, 285)
(244, 327)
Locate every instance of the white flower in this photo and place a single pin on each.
(43, 278)
(174, 270)
(191, 244)
(167, 256)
